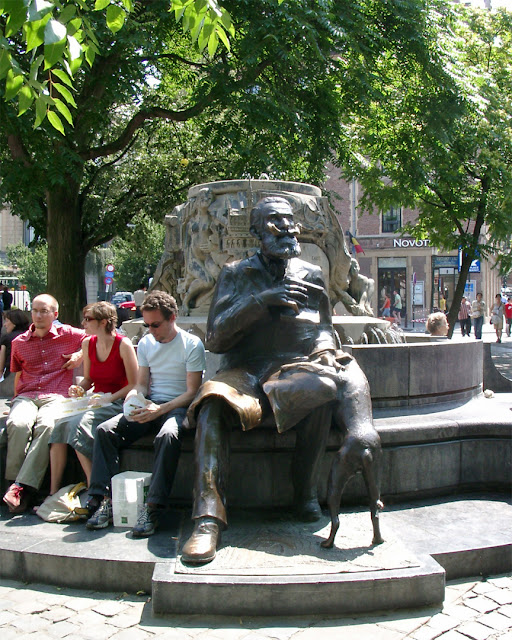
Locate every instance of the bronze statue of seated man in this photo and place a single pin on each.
(270, 318)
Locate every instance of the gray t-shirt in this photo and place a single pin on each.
(169, 363)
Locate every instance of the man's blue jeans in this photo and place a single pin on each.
(477, 327)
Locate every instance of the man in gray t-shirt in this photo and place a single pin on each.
(171, 365)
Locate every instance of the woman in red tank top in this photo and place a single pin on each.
(110, 368)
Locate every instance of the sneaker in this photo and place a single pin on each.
(89, 508)
(17, 498)
(102, 517)
(147, 522)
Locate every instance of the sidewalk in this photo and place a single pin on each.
(478, 609)
(475, 609)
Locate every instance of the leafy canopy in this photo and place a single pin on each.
(137, 254)
(445, 148)
(43, 43)
(30, 266)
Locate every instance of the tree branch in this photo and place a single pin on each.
(140, 118)
(136, 123)
(87, 188)
(174, 56)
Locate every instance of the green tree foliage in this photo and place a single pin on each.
(275, 102)
(31, 266)
(446, 149)
(61, 36)
(136, 255)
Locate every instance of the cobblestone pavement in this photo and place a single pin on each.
(479, 609)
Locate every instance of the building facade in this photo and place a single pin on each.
(424, 276)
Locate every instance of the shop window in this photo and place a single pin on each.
(392, 220)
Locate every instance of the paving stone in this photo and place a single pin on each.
(101, 631)
(483, 604)
(87, 619)
(403, 623)
(502, 582)
(6, 617)
(460, 612)
(453, 634)
(347, 632)
(80, 603)
(496, 621)
(425, 633)
(5, 603)
(125, 620)
(29, 623)
(22, 594)
(442, 622)
(254, 635)
(10, 632)
(29, 606)
(110, 608)
(50, 593)
(62, 629)
(476, 630)
(506, 610)
(57, 614)
(501, 596)
(167, 632)
(458, 588)
(281, 630)
(131, 634)
(483, 587)
(222, 634)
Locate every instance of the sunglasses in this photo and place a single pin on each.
(152, 325)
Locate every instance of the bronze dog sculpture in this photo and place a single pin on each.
(360, 452)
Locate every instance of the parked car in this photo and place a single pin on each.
(130, 305)
(121, 296)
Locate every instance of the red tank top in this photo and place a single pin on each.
(108, 376)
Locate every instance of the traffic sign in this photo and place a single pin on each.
(108, 280)
(109, 267)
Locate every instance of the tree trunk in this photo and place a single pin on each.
(66, 254)
(467, 259)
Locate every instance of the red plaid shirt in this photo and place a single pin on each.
(40, 360)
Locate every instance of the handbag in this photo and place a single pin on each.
(64, 505)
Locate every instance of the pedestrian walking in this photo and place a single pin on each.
(464, 317)
(478, 308)
(508, 314)
(497, 316)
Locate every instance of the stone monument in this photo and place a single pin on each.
(212, 229)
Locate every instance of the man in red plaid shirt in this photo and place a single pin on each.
(42, 359)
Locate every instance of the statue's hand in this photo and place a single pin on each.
(326, 359)
(289, 294)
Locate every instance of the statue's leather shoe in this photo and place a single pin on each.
(202, 544)
(308, 511)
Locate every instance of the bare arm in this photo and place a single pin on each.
(142, 384)
(16, 380)
(131, 367)
(86, 381)
(72, 360)
(3, 353)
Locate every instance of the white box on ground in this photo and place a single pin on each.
(129, 491)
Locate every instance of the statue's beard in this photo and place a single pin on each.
(282, 248)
